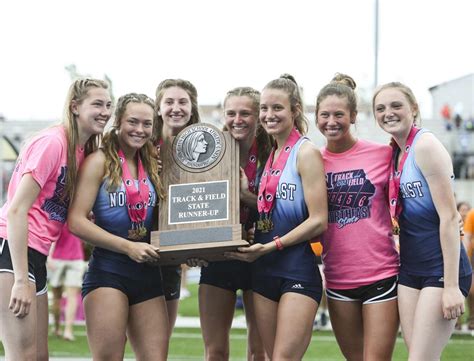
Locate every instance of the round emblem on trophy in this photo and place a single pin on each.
(198, 147)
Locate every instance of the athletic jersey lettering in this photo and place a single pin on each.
(411, 189)
(286, 191)
(111, 214)
(117, 199)
(420, 245)
(297, 262)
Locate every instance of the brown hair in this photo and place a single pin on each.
(189, 88)
(287, 84)
(342, 86)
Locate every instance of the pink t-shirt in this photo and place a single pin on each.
(68, 247)
(358, 247)
(45, 158)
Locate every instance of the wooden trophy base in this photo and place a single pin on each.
(208, 243)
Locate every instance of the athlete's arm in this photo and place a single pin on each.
(436, 166)
(90, 178)
(17, 229)
(311, 169)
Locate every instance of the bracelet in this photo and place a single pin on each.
(278, 243)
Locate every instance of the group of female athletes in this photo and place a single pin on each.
(353, 196)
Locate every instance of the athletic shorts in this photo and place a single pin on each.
(171, 282)
(380, 291)
(273, 287)
(420, 282)
(68, 273)
(136, 290)
(36, 266)
(229, 275)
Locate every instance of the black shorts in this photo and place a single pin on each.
(420, 282)
(229, 275)
(136, 290)
(273, 287)
(380, 291)
(36, 266)
(171, 282)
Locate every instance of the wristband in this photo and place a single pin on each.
(278, 243)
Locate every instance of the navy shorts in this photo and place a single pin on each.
(420, 282)
(136, 290)
(379, 291)
(36, 266)
(171, 282)
(229, 275)
(273, 287)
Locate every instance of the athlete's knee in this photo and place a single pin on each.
(217, 354)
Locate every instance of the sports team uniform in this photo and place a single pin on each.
(294, 268)
(139, 281)
(359, 253)
(420, 247)
(232, 275)
(45, 158)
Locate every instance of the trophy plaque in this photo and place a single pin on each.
(200, 216)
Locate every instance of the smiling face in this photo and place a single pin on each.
(275, 113)
(175, 109)
(334, 121)
(241, 117)
(92, 113)
(136, 126)
(394, 112)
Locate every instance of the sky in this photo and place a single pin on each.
(221, 44)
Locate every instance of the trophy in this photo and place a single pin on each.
(200, 215)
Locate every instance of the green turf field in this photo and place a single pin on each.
(186, 343)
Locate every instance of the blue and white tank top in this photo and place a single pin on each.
(110, 212)
(296, 262)
(420, 246)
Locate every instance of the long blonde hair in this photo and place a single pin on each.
(78, 91)
(110, 146)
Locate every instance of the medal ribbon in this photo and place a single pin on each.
(250, 171)
(395, 175)
(136, 199)
(271, 176)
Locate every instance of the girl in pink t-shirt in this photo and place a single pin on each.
(359, 254)
(34, 214)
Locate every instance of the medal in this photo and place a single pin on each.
(137, 233)
(395, 175)
(136, 198)
(265, 224)
(269, 182)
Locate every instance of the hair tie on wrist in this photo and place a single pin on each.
(278, 243)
